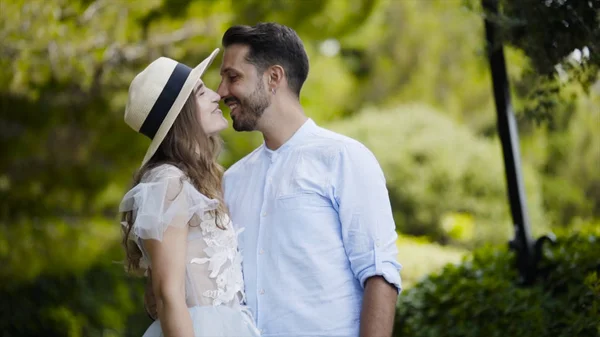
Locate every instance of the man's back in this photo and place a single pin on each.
(317, 223)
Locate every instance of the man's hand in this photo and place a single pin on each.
(378, 309)
(149, 299)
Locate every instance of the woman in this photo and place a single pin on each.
(176, 228)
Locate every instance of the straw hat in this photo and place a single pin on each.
(157, 95)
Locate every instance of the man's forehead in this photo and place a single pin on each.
(234, 58)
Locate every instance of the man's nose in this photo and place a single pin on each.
(222, 90)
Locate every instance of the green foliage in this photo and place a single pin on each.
(407, 51)
(560, 40)
(479, 297)
(440, 175)
(55, 248)
(567, 154)
(549, 31)
(97, 301)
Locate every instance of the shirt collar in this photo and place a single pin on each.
(297, 138)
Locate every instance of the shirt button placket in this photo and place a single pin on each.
(260, 251)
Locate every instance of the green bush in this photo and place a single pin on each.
(98, 300)
(444, 181)
(480, 297)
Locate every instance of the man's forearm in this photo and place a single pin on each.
(378, 308)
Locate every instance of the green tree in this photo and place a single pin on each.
(561, 41)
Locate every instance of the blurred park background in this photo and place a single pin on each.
(408, 78)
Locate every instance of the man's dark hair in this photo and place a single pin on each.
(272, 44)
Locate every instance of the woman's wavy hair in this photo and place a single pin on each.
(190, 149)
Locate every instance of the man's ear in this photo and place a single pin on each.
(276, 77)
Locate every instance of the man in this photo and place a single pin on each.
(319, 254)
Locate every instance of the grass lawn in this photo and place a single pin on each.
(419, 258)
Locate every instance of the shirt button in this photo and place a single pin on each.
(264, 214)
(262, 292)
(261, 252)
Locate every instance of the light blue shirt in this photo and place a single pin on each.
(317, 223)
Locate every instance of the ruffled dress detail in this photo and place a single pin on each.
(214, 281)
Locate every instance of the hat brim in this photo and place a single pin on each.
(171, 116)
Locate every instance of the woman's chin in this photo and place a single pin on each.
(217, 130)
(224, 126)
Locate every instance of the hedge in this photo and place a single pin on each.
(481, 296)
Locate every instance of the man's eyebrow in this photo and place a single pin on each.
(226, 70)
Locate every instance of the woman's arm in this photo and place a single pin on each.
(168, 281)
(149, 299)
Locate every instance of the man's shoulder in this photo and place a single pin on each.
(340, 143)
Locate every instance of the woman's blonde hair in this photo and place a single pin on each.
(190, 149)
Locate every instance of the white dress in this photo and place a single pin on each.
(214, 282)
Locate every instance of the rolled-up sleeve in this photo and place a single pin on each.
(368, 229)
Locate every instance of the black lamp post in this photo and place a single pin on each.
(528, 251)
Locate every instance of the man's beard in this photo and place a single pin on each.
(251, 109)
